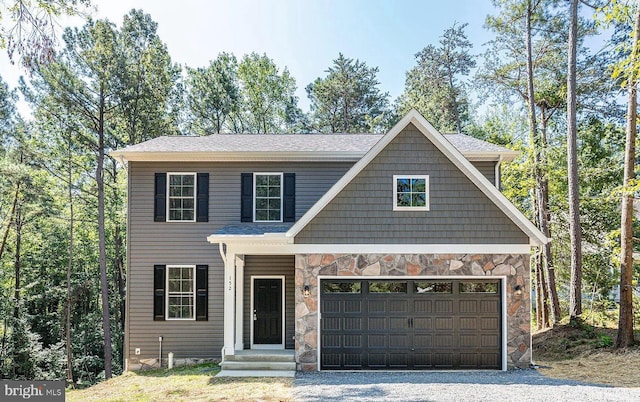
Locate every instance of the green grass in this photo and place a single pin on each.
(191, 383)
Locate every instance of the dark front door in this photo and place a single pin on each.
(267, 311)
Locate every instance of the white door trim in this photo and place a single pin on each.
(266, 346)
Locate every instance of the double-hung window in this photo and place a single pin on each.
(410, 193)
(268, 197)
(181, 292)
(181, 200)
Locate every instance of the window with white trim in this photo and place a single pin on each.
(267, 204)
(410, 193)
(181, 197)
(181, 292)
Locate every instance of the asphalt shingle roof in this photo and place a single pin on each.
(248, 229)
(259, 143)
(256, 143)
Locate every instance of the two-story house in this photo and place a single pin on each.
(358, 251)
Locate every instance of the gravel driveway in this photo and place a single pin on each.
(515, 385)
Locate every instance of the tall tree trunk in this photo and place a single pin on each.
(454, 100)
(549, 271)
(11, 218)
(102, 242)
(119, 254)
(69, 268)
(542, 206)
(17, 264)
(625, 322)
(575, 287)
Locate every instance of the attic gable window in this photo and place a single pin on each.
(182, 197)
(411, 193)
(268, 197)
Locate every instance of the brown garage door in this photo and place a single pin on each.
(410, 324)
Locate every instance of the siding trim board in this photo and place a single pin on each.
(272, 245)
(449, 151)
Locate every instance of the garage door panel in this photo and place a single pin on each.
(443, 307)
(468, 306)
(443, 360)
(378, 324)
(397, 306)
(399, 341)
(331, 306)
(377, 341)
(352, 323)
(422, 323)
(443, 324)
(423, 306)
(423, 341)
(411, 324)
(489, 323)
(398, 360)
(331, 324)
(378, 360)
(443, 341)
(353, 306)
(490, 341)
(353, 360)
(489, 306)
(332, 341)
(468, 341)
(398, 323)
(489, 360)
(377, 306)
(422, 360)
(468, 323)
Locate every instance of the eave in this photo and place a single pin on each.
(333, 156)
(307, 156)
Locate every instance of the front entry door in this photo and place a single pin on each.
(267, 312)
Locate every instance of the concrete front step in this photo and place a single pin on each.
(256, 373)
(261, 357)
(257, 365)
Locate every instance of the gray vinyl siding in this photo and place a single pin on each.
(170, 243)
(362, 213)
(270, 265)
(488, 170)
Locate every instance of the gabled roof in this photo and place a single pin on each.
(285, 147)
(454, 155)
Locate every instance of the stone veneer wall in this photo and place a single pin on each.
(514, 267)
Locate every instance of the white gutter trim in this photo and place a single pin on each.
(139, 156)
(245, 246)
(496, 175)
(308, 156)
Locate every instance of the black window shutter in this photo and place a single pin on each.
(202, 202)
(160, 203)
(202, 290)
(289, 202)
(246, 198)
(159, 292)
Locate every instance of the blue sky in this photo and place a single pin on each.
(304, 36)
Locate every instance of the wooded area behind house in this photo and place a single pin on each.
(569, 108)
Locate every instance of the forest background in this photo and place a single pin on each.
(540, 87)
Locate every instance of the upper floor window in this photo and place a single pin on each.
(411, 193)
(181, 292)
(268, 197)
(181, 202)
